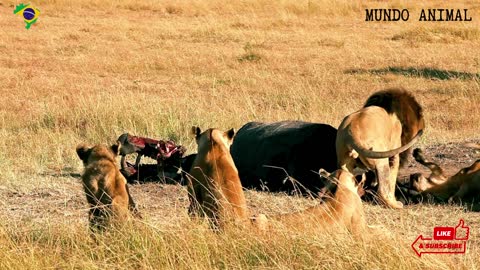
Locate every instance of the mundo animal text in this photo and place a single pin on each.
(426, 15)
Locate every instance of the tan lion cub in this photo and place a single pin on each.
(345, 209)
(105, 187)
(214, 185)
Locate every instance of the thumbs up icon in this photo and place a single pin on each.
(461, 231)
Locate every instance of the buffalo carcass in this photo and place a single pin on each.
(284, 156)
(169, 157)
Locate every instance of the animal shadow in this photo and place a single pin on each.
(428, 73)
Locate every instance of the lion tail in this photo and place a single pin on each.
(385, 154)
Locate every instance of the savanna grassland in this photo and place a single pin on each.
(90, 70)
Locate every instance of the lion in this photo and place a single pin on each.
(464, 186)
(344, 209)
(105, 187)
(379, 137)
(437, 176)
(214, 186)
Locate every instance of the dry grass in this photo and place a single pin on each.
(197, 247)
(439, 34)
(90, 70)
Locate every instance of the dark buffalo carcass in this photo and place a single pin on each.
(168, 154)
(284, 156)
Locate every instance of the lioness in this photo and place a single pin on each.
(105, 187)
(390, 119)
(464, 186)
(418, 181)
(344, 209)
(214, 185)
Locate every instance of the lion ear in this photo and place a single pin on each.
(83, 151)
(116, 148)
(323, 173)
(361, 186)
(230, 133)
(332, 177)
(196, 131)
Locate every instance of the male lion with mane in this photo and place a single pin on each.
(379, 137)
(214, 186)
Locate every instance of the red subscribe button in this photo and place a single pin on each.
(443, 233)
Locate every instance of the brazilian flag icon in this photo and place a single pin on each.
(29, 14)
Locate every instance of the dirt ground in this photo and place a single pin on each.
(165, 206)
